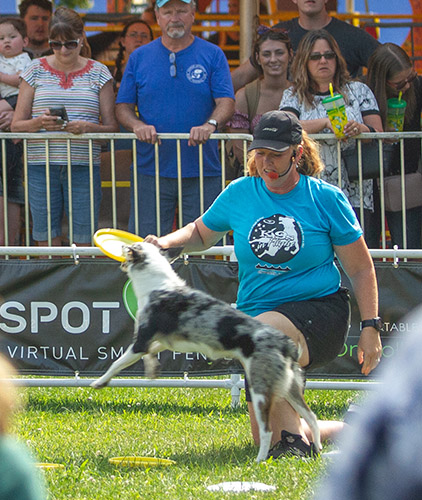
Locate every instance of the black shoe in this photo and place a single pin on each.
(293, 445)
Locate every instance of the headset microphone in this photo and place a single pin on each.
(274, 175)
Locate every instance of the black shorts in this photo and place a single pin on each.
(324, 322)
(12, 100)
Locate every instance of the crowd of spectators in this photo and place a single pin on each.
(282, 73)
(182, 83)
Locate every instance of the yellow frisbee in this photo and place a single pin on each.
(111, 242)
(140, 461)
(46, 465)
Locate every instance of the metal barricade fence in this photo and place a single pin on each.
(116, 174)
(118, 179)
(400, 139)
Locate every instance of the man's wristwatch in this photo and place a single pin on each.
(376, 323)
(213, 122)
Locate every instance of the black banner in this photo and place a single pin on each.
(58, 318)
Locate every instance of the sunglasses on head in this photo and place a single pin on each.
(317, 56)
(70, 44)
(262, 29)
(402, 84)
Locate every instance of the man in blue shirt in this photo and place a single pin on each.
(179, 83)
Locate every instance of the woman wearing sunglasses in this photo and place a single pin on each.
(272, 56)
(84, 87)
(390, 72)
(317, 63)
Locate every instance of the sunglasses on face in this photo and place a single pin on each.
(70, 44)
(402, 84)
(172, 60)
(317, 56)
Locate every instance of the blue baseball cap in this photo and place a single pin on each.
(160, 3)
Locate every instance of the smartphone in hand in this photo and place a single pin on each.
(61, 112)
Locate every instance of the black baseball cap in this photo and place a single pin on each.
(276, 130)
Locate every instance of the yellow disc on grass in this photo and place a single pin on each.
(140, 461)
(46, 465)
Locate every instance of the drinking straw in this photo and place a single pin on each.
(400, 94)
(331, 89)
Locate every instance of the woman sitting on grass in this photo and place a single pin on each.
(288, 225)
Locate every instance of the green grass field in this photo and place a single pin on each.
(210, 442)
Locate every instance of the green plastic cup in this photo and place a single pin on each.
(395, 114)
(336, 111)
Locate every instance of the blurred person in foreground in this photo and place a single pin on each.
(19, 479)
(381, 450)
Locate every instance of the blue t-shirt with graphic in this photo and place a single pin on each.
(284, 242)
(176, 101)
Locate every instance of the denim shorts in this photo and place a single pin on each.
(59, 199)
(168, 202)
(15, 192)
(324, 322)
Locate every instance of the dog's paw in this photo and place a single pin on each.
(98, 384)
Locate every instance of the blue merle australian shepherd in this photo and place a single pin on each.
(173, 316)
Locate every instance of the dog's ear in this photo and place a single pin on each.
(171, 254)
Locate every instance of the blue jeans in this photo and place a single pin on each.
(147, 214)
(59, 199)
